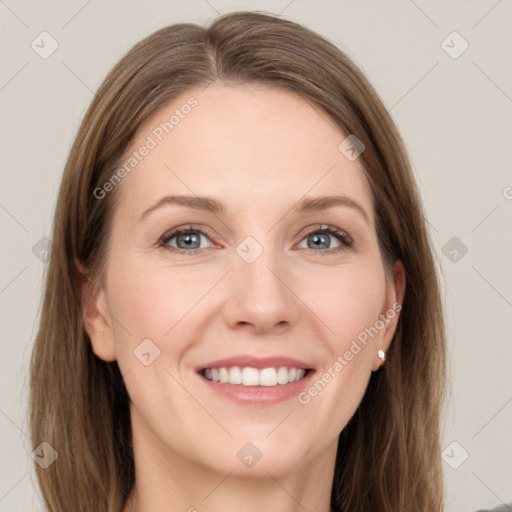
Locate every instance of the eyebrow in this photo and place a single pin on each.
(213, 206)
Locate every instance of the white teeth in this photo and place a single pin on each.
(268, 377)
(223, 375)
(235, 375)
(282, 375)
(249, 376)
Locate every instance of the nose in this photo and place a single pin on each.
(262, 297)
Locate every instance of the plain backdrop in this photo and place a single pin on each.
(443, 69)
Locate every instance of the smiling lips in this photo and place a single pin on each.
(253, 371)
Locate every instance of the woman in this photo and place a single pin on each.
(242, 306)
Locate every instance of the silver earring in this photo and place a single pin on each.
(382, 355)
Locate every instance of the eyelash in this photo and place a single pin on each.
(341, 236)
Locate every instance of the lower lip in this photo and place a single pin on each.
(259, 395)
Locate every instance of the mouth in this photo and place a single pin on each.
(250, 380)
(250, 376)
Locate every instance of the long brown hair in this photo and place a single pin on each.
(389, 456)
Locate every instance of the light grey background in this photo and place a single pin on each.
(454, 114)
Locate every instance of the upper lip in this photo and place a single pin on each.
(256, 362)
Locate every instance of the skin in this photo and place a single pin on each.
(259, 150)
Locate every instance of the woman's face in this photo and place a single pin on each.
(255, 279)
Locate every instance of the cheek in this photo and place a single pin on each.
(349, 306)
(153, 297)
(347, 301)
(155, 302)
(140, 305)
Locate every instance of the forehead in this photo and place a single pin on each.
(241, 143)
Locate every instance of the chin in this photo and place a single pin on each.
(258, 458)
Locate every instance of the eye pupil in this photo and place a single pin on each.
(190, 239)
(319, 239)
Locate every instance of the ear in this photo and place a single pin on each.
(395, 292)
(95, 315)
